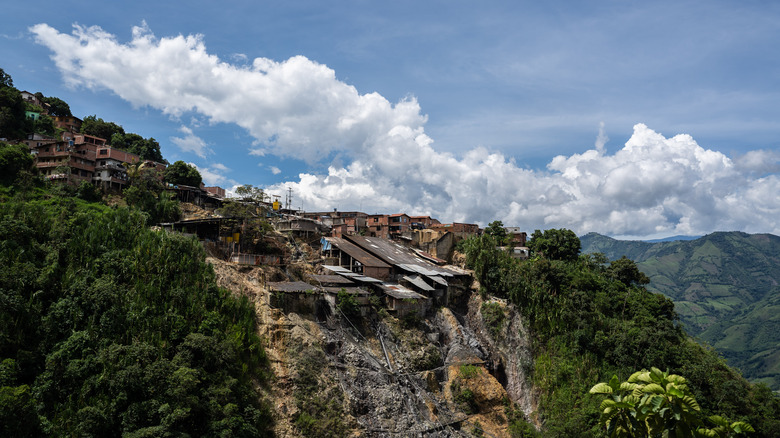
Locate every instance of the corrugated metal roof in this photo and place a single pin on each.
(350, 290)
(357, 253)
(400, 256)
(439, 280)
(367, 279)
(419, 283)
(291, 286)
(331, 279)
(399, 292)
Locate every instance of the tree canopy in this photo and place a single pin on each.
(13, 120)
(555, 244)
(57, 106)
(14, 159)
(590, 319)
(108, 328)
(182, 173)
(97, 127)
(497, 230)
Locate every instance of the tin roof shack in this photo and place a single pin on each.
(336, 281)
(335, 296)
(351, 257)
(404, 302)
(405, 263)
(298, 297)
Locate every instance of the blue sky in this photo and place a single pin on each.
(663, 116)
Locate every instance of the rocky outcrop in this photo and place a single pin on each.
(444, 375)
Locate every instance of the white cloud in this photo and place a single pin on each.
(214, 174)
(191, 143)
(275, 170)
(297, 108)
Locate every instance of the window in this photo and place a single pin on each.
(104, 152)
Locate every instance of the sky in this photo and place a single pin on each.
(627, 118)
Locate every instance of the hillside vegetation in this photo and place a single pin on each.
(725, 289)
(591, 320)
(108, 328)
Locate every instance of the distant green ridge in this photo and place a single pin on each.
(726, 289)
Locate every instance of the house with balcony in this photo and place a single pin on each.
(111, 168)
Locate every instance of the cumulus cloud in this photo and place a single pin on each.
(214, 174)
(191, 143)
(298, 108)
(275, 170)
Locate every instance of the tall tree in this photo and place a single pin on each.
(13, 121)
(183, 173)
(14, 159)
(57, 106)
(147, 149)
(497, 230)
(94, 125)
(555, 244)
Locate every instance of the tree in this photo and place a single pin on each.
(626, 271)
(181, 173)
(497, 230)
(95, 126)
(555, 244)
(14, 159)
(250, 193)
(44, 125)
(147, 149)
(13, 120)
(5, 79)
(57, 106)
(657, 404)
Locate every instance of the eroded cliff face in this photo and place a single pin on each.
(449, 374)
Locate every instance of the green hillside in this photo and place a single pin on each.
(725, 289)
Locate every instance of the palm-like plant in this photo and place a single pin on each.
(657, 404)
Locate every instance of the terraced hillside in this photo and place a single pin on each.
(726, 289)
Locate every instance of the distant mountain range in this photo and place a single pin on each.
(726, 289)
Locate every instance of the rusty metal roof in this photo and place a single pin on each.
(400, 256)
(399, 292)
(291, 286)
(357, 253)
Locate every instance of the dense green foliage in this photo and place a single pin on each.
(724, 286)
(182, 173)
(146, 193)
(555, 244)
(56, 106)
(147, 149)
(14, 124)
(497, 230)
(656, 404)
(108, 328)
(14, 159)
(592, 320)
